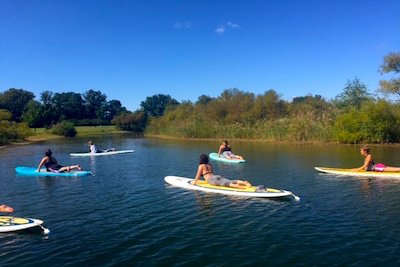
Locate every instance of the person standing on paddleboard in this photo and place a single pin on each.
(5, 208)
(226, 151)
(369, 164)
(205, 170)
(52, 166)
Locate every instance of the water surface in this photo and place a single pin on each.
(125, 215)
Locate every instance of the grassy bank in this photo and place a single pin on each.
(41, 134)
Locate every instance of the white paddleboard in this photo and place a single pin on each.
(201, 185)
(11, 224)
(101, 153)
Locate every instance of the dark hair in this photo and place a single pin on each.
(226, 142)
(48, 153)
(366, 149)
(203, 159)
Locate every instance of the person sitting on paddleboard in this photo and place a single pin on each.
(369, 164)
(205, 170)
(52, 166)
(5, 208)
(226, 151)
(93, 148)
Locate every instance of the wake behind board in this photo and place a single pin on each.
(201, 185)
(11, 224)
(214, 156)
(30, 171)
(101, 153)
(350, 172)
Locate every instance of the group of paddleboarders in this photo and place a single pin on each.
(370, 165)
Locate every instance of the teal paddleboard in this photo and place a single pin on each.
(33, 172)
(214, 156)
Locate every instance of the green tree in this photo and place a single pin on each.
(204, 99)
(391, 63)
(155, 105)
(353, 95)
(68, 105)
(33, 114)
(5, 115)
(96, 104)
(128, 121)
(15, 101)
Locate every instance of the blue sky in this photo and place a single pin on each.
(133, 49)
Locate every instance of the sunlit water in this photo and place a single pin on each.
(125, 215)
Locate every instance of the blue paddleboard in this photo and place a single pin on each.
(33, 172)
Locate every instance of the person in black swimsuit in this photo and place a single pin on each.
(52, 166)
(226, 151)
(205, 170)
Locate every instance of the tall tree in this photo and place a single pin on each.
(95, 103)
(33, 114)
(155, 105)
(354, 94)
(15, 101)
(69, 105)
(391, 63)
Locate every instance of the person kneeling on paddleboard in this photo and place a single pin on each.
(93, 148)
(52, 166)
(5, 208)
(226, 151)
(369, 164)
(205, 170)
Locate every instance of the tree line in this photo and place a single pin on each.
(353, 116)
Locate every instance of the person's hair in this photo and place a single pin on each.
(226, 142)
(366, 149)
(203, 159)
(48, 153)
(90, 142)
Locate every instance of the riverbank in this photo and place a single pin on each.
(42, 134)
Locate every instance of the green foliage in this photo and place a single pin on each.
(353, 95)
(135, 122)
(374, 122)
(64, 128)
(155, 105)
(12, 131)
(5, 115)
(33, 114)
(15, 100)
(391, 63)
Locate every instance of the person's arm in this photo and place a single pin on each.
(366, 162)
(198, 174)
(220, 150)
(41, 164)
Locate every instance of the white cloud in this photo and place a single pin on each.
(183, 25)
(233, 25)
(220, 30)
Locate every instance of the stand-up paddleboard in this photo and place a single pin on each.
(101, 153)
(357, 173)
(11, 224)
(214, 156)
(33, 172)
(201, 185)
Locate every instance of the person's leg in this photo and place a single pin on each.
(391, 169)
(245, 183)
(69, 168)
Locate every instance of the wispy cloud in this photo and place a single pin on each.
(220, 30)
(183, 25)
(223, 28)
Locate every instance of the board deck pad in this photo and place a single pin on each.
(350, 172)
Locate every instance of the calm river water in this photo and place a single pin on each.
(125, 215)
